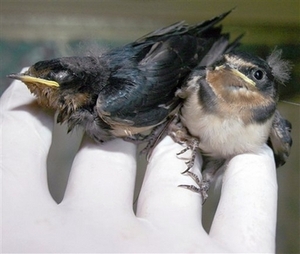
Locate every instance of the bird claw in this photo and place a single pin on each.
(180, 135)
(202, 189)
(190, 163)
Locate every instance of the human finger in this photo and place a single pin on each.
(161, 201)
(246, 216)
(102, 177)
(26, 139)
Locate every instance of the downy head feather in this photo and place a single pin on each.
(280, 68)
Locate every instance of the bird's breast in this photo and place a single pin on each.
(223, 135)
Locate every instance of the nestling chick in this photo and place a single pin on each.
(126, 90)
(229, 108)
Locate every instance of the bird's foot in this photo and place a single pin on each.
(180, 135)
(202, 189)
(192, 146)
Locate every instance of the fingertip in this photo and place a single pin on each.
(27, 135)
(17, 94)
(113, 146)
(102, 176)
(161, 200)
(260, 164)
(248, 203)
(23, 118)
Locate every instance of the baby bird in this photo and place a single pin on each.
(229, 108)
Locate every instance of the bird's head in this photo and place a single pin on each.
(64, 84)
(241, 82)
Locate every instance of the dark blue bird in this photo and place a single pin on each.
(127, 90)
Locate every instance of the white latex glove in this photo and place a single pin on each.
(96, 213)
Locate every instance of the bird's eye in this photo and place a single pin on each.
(258, 74)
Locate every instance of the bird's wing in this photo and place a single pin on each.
(280, 139)
(141, 88)
(142, 93)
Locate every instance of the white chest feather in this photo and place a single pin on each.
(223, 136)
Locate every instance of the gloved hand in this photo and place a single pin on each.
(96, 213)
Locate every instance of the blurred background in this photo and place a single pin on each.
(33, 30)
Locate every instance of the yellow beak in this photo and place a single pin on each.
(30, 79)
(243, 77)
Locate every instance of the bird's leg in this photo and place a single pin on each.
(181, 136)
(155, 136)
(211, 167)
